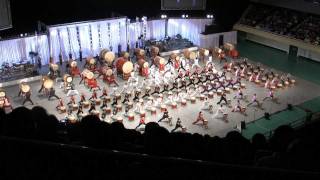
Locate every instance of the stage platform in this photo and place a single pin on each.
(216, 127)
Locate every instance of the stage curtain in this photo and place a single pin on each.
(15, 50)
(117, 32)
(212, 40)
(156, 29)
(187, 28)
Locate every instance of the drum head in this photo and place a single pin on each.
(55, 67)
(192, 56)
(73, 64)
(109, 72)
(69, 79)
(206, 52)
(92, 61)
(90, 75)
(126, 55)
(25, 88)
(2, 94)
(162, 61)
(146, 65)
(127, 67)
(48, 83)
(109, 56)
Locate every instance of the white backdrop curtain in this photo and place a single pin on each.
(156, 29)
(64, 38)
(188, 28)
(15, 50)
(212, 40)
(117, 32)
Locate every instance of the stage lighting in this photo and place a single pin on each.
(21, 35)
(163, 16)
(183, 16)
(187, 15)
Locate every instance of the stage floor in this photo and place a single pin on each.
(297, 94)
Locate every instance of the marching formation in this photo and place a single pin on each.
(155, 86)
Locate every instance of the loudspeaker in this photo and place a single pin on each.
(267, 116)
(243, 125)
(290, 107)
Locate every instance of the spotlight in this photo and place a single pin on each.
(187, 15)
(208, 16)
(21, 35)
(183, 16)
(25, 34)
(163, 16)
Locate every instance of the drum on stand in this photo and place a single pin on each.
(193, 100)
(173, 105)
(130, 105)
(210, 95)
(119, 107)
(48, 83)
(63, 109)
(130, 116)
(142, 114)
(153, 111)
(119, 119)
(108, 110)
(202, 97)
(163, 108)
(86, 104)
(75, 107)
(72, 119)
(98, 102)
(183, 102)
(219, 92)
(243, 86)
(118, 96)
(127, 68)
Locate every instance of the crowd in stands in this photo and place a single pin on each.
(287, 148)
(291, 23)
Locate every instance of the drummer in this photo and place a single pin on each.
(156, 90)
(199, 118)
(164, 116)
(27, 97)
(254, 100)
(126, 98)
(72, 100)
(92, 106)
(178, 125)
(80, 111)
(94, 95)
(60, 105)
(104, 104)
(104, 93)
(52, 93)
(136, 95)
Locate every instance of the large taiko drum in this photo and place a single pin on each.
(67, 78)
(192, 56)
(2, 94)
(54, 67)
(24, 88)
(109, 72)
(154, 51)
(85, 73)
(160, 62)
(139, 53)
(90, 75)
(91, 61)
(124, 54)
(48, 83)
(204, 52)
(228, 46)
(107, 56)
(127, 69)
(73, 64)
(119, 63)
(186, 53)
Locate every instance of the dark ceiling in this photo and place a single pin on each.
(26, 13)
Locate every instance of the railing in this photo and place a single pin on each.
(26, 159)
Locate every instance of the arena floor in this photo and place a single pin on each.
(297, 94)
